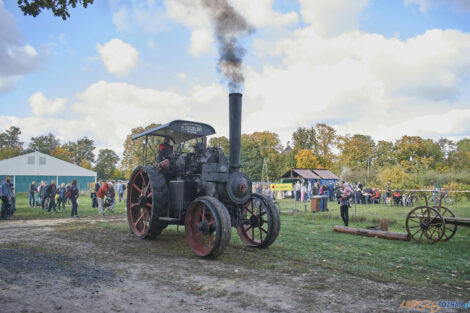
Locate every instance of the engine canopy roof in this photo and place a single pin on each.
(180, 131)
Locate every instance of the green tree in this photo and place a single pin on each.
(106, 163)
(58, 7)
(10, 144)
(326, 141)
(81, 149)
(44, 144)
(305, 138)
(221, 142)
(133, 149)
(356, 151)
(413, 152)
(251, 158)
(383, 155)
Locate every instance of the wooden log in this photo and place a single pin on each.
(384, 224)
(372, 233)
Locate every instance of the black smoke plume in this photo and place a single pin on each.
(229, 27)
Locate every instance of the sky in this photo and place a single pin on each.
(375, 67)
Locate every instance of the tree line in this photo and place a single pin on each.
(408, 161)
(79, 152)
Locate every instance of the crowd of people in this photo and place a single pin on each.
(52, 197)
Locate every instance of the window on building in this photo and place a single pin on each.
(42, 160)
(31, 160)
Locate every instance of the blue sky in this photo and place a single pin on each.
(377, 67)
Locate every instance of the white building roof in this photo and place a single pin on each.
(40, 164)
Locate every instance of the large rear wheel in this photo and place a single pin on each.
(425, 224)
(260, 222)
(147, 195)
(207, 226)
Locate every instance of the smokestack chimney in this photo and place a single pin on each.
(235, 124)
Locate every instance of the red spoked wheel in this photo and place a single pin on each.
(207, 227)
(147, 192)
(260, 222)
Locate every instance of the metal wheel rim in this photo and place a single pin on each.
(255, 211)
(450, 228)
(425, 223)
(201, 229)
(139, 209)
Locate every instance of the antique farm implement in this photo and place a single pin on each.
(195, 186)
(430, 224)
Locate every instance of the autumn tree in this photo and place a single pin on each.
(58, 7)
(306, 159)
(106, 163)
(61, 153)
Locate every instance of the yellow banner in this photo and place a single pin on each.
(281, 187)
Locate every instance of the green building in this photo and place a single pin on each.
(39, 167)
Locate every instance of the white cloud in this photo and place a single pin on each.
(358, 81)
(426, 5)
(118, 57)
(201, 41)
(16, 58)
(332, 17)
(40, 105)
(138, 16)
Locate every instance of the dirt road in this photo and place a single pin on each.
(88, 265)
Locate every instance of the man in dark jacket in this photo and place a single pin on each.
(6, 195)
(42, 194)
(51, 190)
(32, 191)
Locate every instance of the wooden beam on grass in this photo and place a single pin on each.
(372, 233)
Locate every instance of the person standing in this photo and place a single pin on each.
(50, 193)
(297, 190)
(309, 190)
(344, 204)
(6, 195)
(32, 191)
(302, 192)
(94, 200)
(100, 196)
(74, 198)
(62, 198)
(42, 193)
(121, 190)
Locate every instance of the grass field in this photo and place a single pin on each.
(307, 240)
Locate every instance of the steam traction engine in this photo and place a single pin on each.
(201, 190)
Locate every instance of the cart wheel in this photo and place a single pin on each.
(147, 196)
(450, 228)
(261, 222)
(425, 224)
(207, 227)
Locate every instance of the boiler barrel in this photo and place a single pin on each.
(235, 123)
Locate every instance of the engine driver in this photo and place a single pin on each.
(165, 149)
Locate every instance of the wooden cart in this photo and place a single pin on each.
(430, 224)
